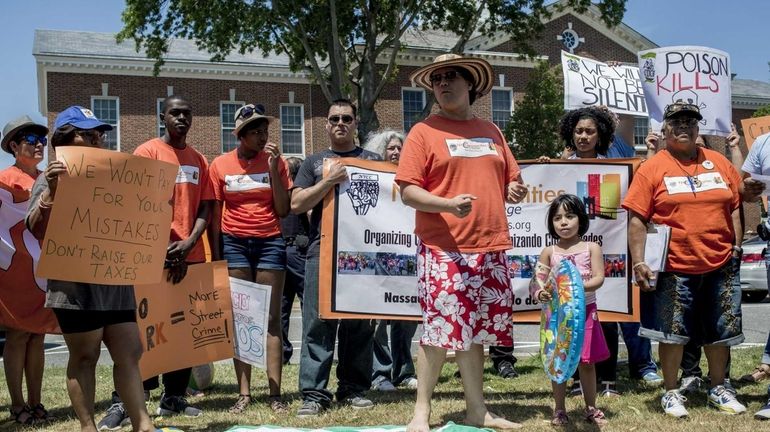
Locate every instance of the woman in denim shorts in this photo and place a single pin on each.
(250, 186)
(695, 191)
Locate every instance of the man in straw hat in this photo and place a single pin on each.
(457, 172)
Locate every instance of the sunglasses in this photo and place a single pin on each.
(690, 122)
(249, 110)
(91, 135)
(449, 76)
(33, 139)
(346, 119)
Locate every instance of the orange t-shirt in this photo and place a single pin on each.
(701, 222)
(245, 188)
(449, 157)
(192, 187)
(15, 178)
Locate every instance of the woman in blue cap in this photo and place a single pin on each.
(88, 313)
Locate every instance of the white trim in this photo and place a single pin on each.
(302, 129)
(414, 90)
(116, 127)
(42, 90)
(169, 90)
(749, 102)
(105, 89)
(491, 100)
(160, 123)
(221, 125)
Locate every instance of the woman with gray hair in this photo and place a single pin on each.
(392, 363)
(387, 143)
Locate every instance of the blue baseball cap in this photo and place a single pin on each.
(81, 118)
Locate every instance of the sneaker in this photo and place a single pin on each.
(729, 387)
(725, 401)
(652, 379)
(383, 385)
(310, 408)
(608, 389)
(357, 401)
(673, 404)
(172, 405)
(576, 389)
(690, 385)
(115, 418)
(764, 412)
(410, 383)
(506, 370)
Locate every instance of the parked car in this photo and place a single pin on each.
(754, 270)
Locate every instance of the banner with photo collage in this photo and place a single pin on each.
(368, 261)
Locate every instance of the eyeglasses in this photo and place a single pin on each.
(449, 76)
(346, 119)
(690, 122)
(91, 135)
(33, 139)
(249, 110)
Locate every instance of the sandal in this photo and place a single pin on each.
(241, 404)
(595, 416)
(276, 404)
(559, 418)
(23, 416)
(39, 412)
(761, 373)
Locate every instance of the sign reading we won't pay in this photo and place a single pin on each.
(110, 219)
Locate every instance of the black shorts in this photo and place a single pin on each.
(79, 321)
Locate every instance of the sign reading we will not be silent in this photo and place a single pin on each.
(110, 220)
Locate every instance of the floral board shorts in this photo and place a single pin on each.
(466, 298)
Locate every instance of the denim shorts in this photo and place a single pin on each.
(254, 253)
(704, 308)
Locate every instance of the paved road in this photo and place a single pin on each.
(756, 323)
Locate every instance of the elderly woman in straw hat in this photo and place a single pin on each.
(23, 352)
(456, 170)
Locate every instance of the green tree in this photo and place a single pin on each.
(533, 129)
(348, 46)
(762, 111)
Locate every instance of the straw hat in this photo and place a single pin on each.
(250, 113)
(480, 70)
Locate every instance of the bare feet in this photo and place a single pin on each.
(492, 421)
(419, 423)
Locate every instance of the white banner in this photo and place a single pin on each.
(691, 74)
(589, 83)
(251, 309)
(374, 265)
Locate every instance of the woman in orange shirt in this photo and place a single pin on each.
(250, 186)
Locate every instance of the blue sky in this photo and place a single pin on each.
(734, 27)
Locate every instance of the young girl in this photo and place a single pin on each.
(567, 222)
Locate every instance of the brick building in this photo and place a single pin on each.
(116, 82)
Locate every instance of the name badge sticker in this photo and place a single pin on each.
(471, 147)
(245, 182)
(188, 174)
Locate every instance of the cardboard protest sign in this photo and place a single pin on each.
(754, 127)
(22, 295)
(690, 74)
(251, 310)
(110, 220)
(589, 83)
(368, 267)
(187, 324)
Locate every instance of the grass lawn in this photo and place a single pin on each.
(526, 399)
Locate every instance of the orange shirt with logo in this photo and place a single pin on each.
(448, 158)
(245, 188)
(702, 232)
(192, 187)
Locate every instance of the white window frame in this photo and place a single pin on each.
(221, 125)
(302, 127)
(642, 147)
(492, 103)
(116, 126)
(161, 128)
(403, 116)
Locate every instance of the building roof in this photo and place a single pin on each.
(750, 88)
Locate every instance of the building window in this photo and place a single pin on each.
(292, 129)
(159, 111)
(107, 109)
(413, 102)
(227, 116)
(641, 127)
(502, 106)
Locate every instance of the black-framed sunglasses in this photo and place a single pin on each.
(249, 110)
(346, 119)
(449, 76)
(91, 135)
(33, 139)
